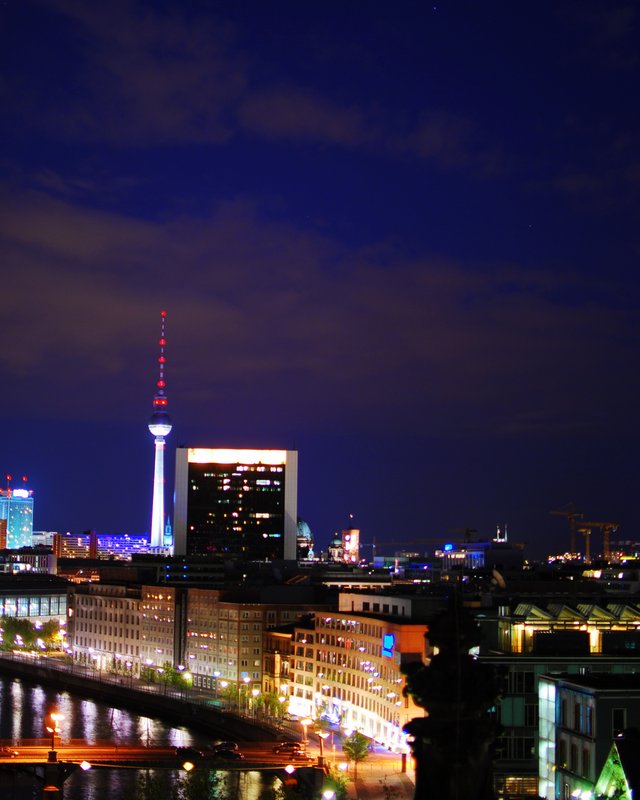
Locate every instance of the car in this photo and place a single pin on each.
(224, 746)
(8, 752)
(189, 753)
(293, 748)
(230, 755)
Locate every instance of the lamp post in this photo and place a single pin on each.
(246, 680)
(305, 724)
(53, 729)
(254, 693)
(322, 735)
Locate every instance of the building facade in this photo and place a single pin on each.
(550, 635)
(348, 669)
(104, 627)
(225, 636)
(580, 717)
(236, 503)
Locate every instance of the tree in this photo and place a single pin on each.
(22, 633)
(356, 747)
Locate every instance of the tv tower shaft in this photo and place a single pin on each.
(160, 427)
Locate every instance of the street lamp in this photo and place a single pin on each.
(246, 680)
(254, 693)
(322, 735)
(53, 729)
(305, 724)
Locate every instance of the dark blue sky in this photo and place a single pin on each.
(402, 239)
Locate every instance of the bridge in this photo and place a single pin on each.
(53, 767)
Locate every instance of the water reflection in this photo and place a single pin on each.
(23, 711)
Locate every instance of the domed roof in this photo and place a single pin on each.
(304, 531)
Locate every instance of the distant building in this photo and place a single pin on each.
(37, 598)
(28, 559)
(16, 507)
(236, 503)
(485, 555)
(90, 544)
(344, 548)
(304, 544)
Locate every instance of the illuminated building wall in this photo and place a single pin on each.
(349, 670)
(16, 507)
(104, 627)
(119, 546)
(160, 632)
(236, 503)
(224, 637)
(351, 545)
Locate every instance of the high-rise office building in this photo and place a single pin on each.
(16, 507)
(159, 426)
(236, 503)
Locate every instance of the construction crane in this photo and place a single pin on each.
(572, 516)
(607, 529)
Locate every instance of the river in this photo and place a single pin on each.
(24, 706)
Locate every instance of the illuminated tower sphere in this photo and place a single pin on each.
(160, 426)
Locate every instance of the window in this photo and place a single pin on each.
(618, 720)
(573, 758)
(586, 762)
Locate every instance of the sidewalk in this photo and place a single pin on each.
(379, 785)
(380, 782)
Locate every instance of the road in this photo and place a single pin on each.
(257, 755)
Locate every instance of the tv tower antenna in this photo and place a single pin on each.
(160, 427)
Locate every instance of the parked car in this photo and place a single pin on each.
(189, 753)
(8, 752)
(230, 755)
(288, 747)
(224, 746)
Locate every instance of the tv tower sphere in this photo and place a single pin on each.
(160, 423)
(160, 426)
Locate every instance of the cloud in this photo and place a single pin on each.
(137, 77)
(266, 316)
(146, 78)
(291, 113)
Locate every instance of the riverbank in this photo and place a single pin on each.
(182, 708)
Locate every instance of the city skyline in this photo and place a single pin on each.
(402, 242)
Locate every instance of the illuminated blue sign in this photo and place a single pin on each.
(447, 547)
(388, 643)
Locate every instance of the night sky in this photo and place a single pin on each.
(402, 238)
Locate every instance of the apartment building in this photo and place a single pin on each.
(348, 668)
(104, 626)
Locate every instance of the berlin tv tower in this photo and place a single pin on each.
(160, 426)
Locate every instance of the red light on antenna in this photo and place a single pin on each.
(162, 360)
(24, 478)
(163, 313)
(9, 477)
(160, 384)
(162, 342)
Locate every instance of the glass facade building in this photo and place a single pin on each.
(16, 507)
(236, 503)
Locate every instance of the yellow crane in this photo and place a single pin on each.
(607, 529)
(572, 516)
